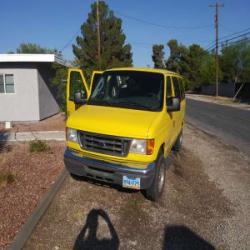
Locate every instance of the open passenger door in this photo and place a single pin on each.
(76, 82)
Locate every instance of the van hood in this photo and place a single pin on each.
(112, 121)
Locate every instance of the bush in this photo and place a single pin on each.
(38, 146)
(6, 177)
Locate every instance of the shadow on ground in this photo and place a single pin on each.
(4, 136)
(182, 238)
(103, 184)
(87, 238)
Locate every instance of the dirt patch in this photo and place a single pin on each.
(192, 210)
(53, 123)
(33, 174)
(190, 182)
(230, 170)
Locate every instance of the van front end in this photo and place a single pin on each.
(123, 161)
(110, 172)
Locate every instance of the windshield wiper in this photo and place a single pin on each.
(134, 104)
(99, 102)
(120, 104)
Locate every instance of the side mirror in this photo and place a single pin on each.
(173, 104)
(79, 98)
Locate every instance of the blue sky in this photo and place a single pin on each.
(52, 23)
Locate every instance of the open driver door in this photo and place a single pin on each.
(76, 83)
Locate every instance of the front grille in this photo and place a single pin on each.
(105, 144)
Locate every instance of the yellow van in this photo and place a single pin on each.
(122, 126)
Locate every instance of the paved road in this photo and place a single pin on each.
(231, 125)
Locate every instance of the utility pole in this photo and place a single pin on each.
(98, 35)
(216, 22)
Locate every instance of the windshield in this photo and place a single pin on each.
(129, 89)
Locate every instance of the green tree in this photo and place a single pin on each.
(235, 62)
(114, 51)
(197, 59)
(179, 57)
(178, 61)
(158, 56)
(32, 48)
(59, 81)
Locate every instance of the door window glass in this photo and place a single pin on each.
(76, 85)
(176, 87)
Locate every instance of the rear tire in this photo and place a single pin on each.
(178, 143)
(154, 192)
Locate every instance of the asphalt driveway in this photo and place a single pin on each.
(231, 125)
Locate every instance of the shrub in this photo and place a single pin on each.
(6, 177)
(38, 146)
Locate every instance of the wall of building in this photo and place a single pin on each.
(48, 105)
(22, 105)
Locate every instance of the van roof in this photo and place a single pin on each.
(162, 71)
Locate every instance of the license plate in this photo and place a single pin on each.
(129, 182)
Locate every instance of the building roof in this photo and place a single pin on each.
(38, 58)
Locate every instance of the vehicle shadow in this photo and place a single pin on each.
(4, 147)
(87, 238)
(103, 184)
(182, 238)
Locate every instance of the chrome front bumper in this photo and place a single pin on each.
(106, 171)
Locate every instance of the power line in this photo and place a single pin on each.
(228, 40)
(211, 44)
(160, 25)
(71, 40)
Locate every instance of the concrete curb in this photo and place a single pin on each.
(202, 98)
(31, 136)
(27, 229)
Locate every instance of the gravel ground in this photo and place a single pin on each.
(53, 123)
(34, 174)
(205, 206)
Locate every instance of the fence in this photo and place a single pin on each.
(228, 90)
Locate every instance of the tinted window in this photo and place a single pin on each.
(169, 87)
(176, 87)
(96, 79)
(182, 88)
(129, 89)
(76, 85)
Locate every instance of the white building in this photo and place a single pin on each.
(25, 90)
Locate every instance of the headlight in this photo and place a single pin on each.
(72, 135)
(139, 146)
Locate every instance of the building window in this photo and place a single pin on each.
(7, 83)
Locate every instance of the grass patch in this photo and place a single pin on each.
(38, 146)
(6, 177)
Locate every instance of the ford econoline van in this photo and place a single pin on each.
(122, 126)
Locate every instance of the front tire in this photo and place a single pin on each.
(154, 192)
(178, 143)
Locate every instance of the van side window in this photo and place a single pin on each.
(169, 87)
(177, 90)
(182, 89)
